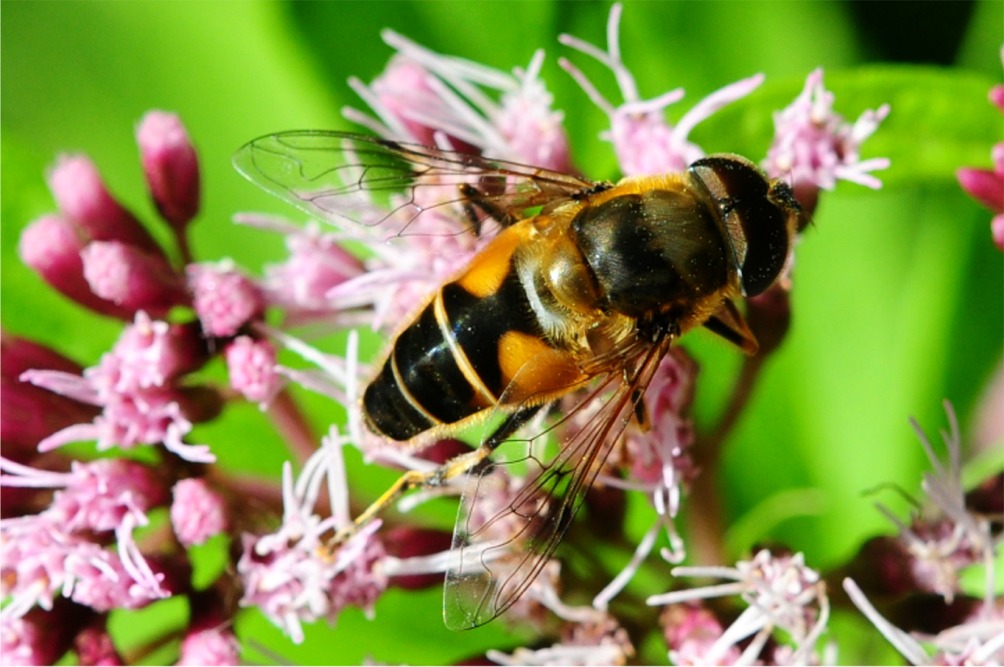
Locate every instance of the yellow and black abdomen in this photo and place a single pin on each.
(476, 345)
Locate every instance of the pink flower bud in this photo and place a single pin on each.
(170, 165)
(40, 637)
(82, 197)
(224, 299)
(95, 647)
(132, 278)
(251, 365)
(30, 413)
(883, 566)
(18, 355)
(987, 498)
(987, 185)
(198, 512)
(51, 246)
(997, 97)
(984, 185)
(210, 646)
(209, 637)
(151, 353)
(16, 500)
(691, 632)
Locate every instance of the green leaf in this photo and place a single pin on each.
(940, 119)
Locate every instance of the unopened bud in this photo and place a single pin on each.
(252, 368)
(197, 512)
(171, 166)
(51, 246)
(95, 647)
(224, 299)
(82, 197)
(132, 278)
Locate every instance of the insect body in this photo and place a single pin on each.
(583, 289)
(585, 285)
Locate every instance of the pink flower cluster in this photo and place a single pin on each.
(952, 531)
(987, 185)
(75, 537)
(288, 575)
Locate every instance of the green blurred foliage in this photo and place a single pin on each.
(898, 300)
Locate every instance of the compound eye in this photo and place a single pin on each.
(766, 247)
(755, 214)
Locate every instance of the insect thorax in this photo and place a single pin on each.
(655, 251)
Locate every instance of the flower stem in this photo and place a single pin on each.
(184, 247)
(292, 424)
(768, 316)
(705, 522)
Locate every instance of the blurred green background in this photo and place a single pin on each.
(899, 294)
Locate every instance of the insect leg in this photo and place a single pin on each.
(511, 424)
(730, 324)
(640, 411)
(476, 197)
(458, 465)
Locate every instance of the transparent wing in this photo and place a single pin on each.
(499, 551)
(340, 176)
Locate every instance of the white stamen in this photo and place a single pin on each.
(909, 647)
(715, 101)
(618, 583)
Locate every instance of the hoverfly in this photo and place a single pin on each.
(583, 287)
